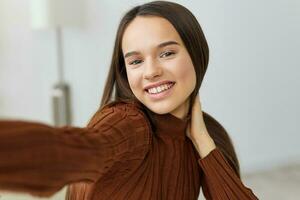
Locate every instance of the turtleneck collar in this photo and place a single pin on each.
(170, 125)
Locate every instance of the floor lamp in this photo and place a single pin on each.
(55, 15)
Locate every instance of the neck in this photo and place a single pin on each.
(181, 111)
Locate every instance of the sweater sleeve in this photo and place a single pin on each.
(39, 159)
(219, 181)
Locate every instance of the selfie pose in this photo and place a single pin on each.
(150, 138)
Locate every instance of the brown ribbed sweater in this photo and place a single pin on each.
(119, 155)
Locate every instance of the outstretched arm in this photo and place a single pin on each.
(41, 159)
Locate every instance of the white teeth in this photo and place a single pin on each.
(160, 88)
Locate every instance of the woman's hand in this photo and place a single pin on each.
(197, 131)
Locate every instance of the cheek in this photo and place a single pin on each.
(186, 74)
(186, 71)
(134, 81)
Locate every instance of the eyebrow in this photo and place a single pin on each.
(161, 45)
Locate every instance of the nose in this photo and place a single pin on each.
(152, 69)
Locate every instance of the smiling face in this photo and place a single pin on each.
(154, 52)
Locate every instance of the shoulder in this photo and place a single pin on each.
(120, 111)
(126, 119)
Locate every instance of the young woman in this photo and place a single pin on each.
(150, 140)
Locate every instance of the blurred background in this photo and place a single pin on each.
(251, 86)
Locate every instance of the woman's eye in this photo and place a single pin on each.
(166, 54)
(134, 62)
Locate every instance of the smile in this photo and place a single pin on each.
(160, 92)
(160, 88)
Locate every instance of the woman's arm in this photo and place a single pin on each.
(219, 180)
(40, 159)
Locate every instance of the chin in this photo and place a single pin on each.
(159, 109)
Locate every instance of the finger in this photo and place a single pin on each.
(197, 103)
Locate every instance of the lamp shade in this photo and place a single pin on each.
(51, 14)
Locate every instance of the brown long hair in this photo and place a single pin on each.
(117, 87)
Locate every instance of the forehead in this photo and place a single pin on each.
(148, 32)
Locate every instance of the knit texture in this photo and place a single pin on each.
(118, 156)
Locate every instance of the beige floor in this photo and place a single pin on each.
(278, 184)
(282, 183)
(9, 196)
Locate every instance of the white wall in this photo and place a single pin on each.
(251, 86)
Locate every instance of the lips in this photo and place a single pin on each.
(161, 95)
(157, 84)
(171, 85)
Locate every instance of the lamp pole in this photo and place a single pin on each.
(60, 94)
(55, 15)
